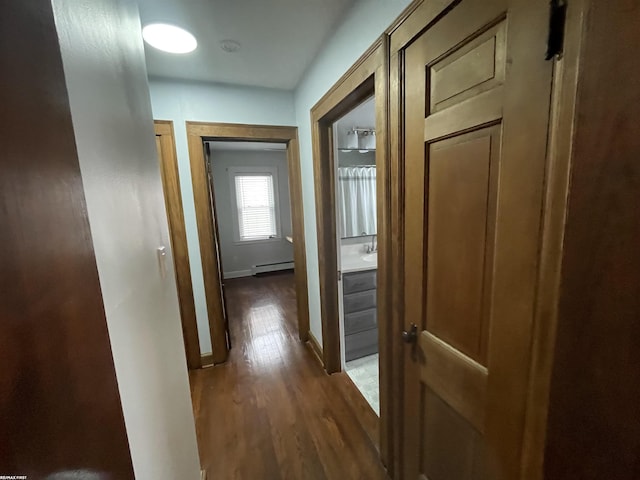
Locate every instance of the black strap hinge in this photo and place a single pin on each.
(557, 17)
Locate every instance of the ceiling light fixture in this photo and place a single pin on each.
(169, 38)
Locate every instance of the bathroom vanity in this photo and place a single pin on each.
(359, 279)
(360, 321)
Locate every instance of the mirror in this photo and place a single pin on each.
(356, 171)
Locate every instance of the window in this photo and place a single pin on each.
(254, 192)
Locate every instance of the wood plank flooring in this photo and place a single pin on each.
(271, 412)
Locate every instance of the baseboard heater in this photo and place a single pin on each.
(271, 267)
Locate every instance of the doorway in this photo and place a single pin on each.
(249, 184)
(241, 182)
(354, 151)
(366, 331)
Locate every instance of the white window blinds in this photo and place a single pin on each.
(256, 206)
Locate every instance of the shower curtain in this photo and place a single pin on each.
(357, 197)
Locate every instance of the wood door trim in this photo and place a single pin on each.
(197, 133)
(418, 16)
(367, 76)
(206, 237)
(178, 235)
(400, 20)
(561, 137)
(206, 360)
(387, 328)
(395, 259)
(350, 90)
(361, 409)
(316, 348)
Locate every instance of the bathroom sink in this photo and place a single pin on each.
(371, 257)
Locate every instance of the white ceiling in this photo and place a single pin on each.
(278, 38)
(246, 146)
(363, 116)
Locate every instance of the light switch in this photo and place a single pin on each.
(162, 261)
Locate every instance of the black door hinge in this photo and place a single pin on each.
(557, 17)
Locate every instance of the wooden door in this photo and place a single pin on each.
(60, 406)
(216, 243)
(476, 102)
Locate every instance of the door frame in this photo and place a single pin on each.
(178, 235)
(197, 134)
(368, 76)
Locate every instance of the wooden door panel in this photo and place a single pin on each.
(60, 404)
(454, 377)
(462, 174)
(471, 68)
(452, 449)
(461, 76)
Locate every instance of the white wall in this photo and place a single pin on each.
(106, 79)
(237, 260)
(190, 101)
(182, 101)
(361, 26)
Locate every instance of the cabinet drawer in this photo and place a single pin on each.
(358, 281)
(355, 302)
(361, 344)
(359, 321)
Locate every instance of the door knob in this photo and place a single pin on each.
(410, 336)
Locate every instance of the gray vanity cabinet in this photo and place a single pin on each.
(360, 321)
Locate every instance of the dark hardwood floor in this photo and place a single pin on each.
(271, 412)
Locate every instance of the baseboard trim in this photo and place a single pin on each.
(272, 267)
(237, 274)
(206, 360)
(316, 348)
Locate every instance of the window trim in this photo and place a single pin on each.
(257, 171)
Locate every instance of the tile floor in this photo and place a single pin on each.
(364, 373)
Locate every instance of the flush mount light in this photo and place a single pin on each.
(169, 38)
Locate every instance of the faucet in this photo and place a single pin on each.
(373, 247)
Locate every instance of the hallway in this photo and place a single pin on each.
(271, 411)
